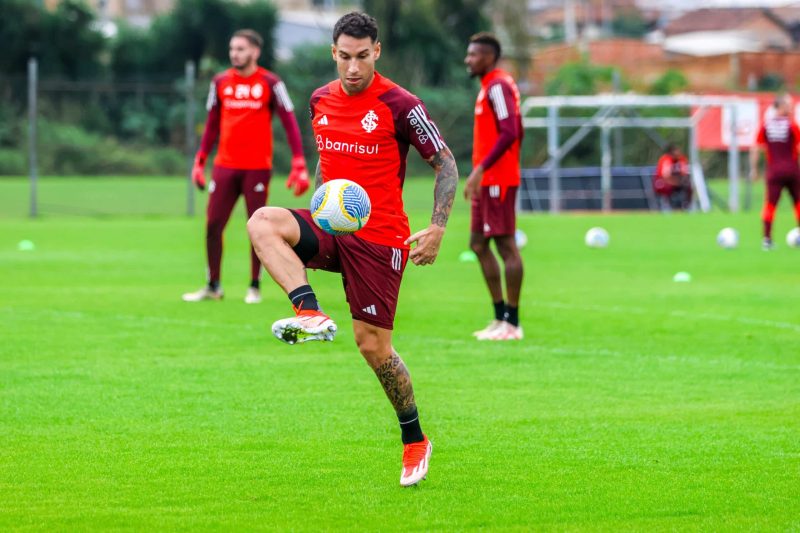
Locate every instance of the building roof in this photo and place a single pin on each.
(718, 19)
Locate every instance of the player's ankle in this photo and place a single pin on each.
(512, 315)
(410, 429)
(303, 298)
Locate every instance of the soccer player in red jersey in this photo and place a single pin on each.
(671, 181)
(492, 184)
(780, 136)
(364, 125)
(241, 102)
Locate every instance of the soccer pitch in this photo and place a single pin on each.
(633, 403)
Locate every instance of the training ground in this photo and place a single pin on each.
(634, 402)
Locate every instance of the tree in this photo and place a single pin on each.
(64, 41)
(425, 39)
(672, 81)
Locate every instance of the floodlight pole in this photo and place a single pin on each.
(555, 157)
(190, 136)
(33, 171)
(733, 163)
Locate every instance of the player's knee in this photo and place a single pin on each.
(262, 223)
(508, 250)
(214, 228)
(480, 247)
(374, 351)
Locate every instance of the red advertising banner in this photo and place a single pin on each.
(714, 128)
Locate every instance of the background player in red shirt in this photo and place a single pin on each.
(780, 136)
(241, 102)
(363, 125)
(492, 184)
(671, 182)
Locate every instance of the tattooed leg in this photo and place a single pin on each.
(396, 382)
(375, 344)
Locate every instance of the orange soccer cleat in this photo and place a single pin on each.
(416, 457)
(307, 325)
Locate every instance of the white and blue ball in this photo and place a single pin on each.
(793, 238)
(597, 238)
(728, 238)
(340, 207)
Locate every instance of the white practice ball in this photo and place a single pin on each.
(596, 238)
(340, 207)
(728, 238)
(793, 238)
(520, 238)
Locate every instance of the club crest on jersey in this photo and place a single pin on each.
(242, 90)
(370, 121)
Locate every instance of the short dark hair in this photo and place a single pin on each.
(670, 147)
(356, 24)
(252, 36)
(488, 39)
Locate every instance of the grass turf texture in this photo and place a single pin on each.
(633, 403)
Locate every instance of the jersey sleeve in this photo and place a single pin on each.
(761, 138)
(282, 105)
(211, 131)
(663, 166)
(796, 133)
(504, 108)
(417, 129)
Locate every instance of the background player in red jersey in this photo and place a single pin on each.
(363, 125)
(492, 184)
(780, 136)
(241, 102)
(671, 182)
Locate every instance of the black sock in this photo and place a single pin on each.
(512, 315)
(214, 285)
(303, 297)
(255, 284)
(499, 310)
(410, 428)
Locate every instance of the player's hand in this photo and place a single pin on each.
(473, 186)
(198, 171)
(298, 177)
(428, 242)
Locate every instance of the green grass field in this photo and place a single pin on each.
(634, 403)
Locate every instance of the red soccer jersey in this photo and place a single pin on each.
(365, 138)
(781, 136)
(240, 114)
(498, 130)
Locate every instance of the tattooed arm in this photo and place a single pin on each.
(429, 239)
(318, 176)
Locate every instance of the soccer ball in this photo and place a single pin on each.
(520, 238)
(728, 238)
(596, 238)
(793, 238)
(340, 207)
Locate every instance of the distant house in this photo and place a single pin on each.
(711, 31)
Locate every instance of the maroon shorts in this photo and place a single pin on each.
(371, 273)
(494, 211)
(776, 185)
